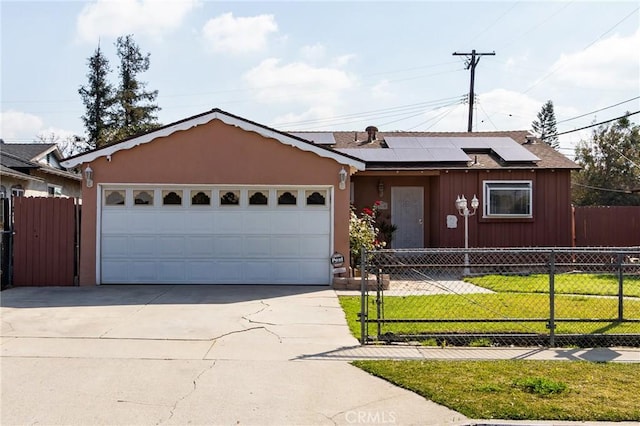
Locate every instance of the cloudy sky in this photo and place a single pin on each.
(330, 65)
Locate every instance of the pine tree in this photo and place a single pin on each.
(545, 126)
(136, 108)
(610, 161)
(98, 99)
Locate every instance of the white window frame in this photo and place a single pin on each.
(57, 190)
(17, 191)
(492, 186)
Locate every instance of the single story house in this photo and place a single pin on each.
(216, 198)
(34, 170)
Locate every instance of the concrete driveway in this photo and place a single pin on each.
(219, 355)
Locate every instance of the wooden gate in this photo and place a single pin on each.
(44, 241)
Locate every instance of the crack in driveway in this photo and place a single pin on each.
(188, 394)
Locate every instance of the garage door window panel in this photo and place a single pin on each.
(287, 198)
(316, 198)
(171, 198)
(143, 198)
(114, 197)
(259, 198)
(200, 198)
(230, 198)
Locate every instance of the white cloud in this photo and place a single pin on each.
(380, 91)
(314, 53)
(225, 33)
(607, 64)
(343, 60)
(17, 126)
(297, 82)
(117, 17)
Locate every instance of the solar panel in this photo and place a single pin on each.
(320, 138)
(515, 153)
(408, 155)
(402, 142)
(379, 155)
(441, 149)
(508, 149)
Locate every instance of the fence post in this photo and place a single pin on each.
(363, 301)
(620, 289)
(552, 305)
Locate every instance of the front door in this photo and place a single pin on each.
(407, 212)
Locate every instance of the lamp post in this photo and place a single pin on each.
(463, 210)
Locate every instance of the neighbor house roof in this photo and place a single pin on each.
(18, 160)
(437, 150)
(29, 151)
(227, 118)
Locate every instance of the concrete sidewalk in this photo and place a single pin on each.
(210, 355)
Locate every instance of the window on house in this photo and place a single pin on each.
(508, 199)
(171, 198)
(17, 191)
(114, 197)
(3, 192)
(230, 198)
(316, 198)
(54, 191)
(200, 198)
(143, 198)
(258, 198)
(287, 198)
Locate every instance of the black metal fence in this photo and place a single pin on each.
(582, 297)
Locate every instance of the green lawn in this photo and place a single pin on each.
(587, 284)
(521, 390)
(498, 305)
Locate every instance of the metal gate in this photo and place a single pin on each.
(45, 241)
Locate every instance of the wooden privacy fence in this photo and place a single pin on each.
(606, 226)
(44, 241)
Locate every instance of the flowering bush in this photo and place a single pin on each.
(363, 233)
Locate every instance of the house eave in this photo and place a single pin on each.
(5, 171)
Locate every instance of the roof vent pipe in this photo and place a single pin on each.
(371, 132)
(530, 139)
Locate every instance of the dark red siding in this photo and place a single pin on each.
(550, 225)
(44, 241)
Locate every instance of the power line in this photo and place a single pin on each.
(598, 110)
(624, 191)
(592, 125)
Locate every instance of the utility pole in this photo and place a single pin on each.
(471, 64)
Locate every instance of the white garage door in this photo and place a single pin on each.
(211, 235)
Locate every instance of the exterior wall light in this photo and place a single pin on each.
(88, 176)
(343, 178)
